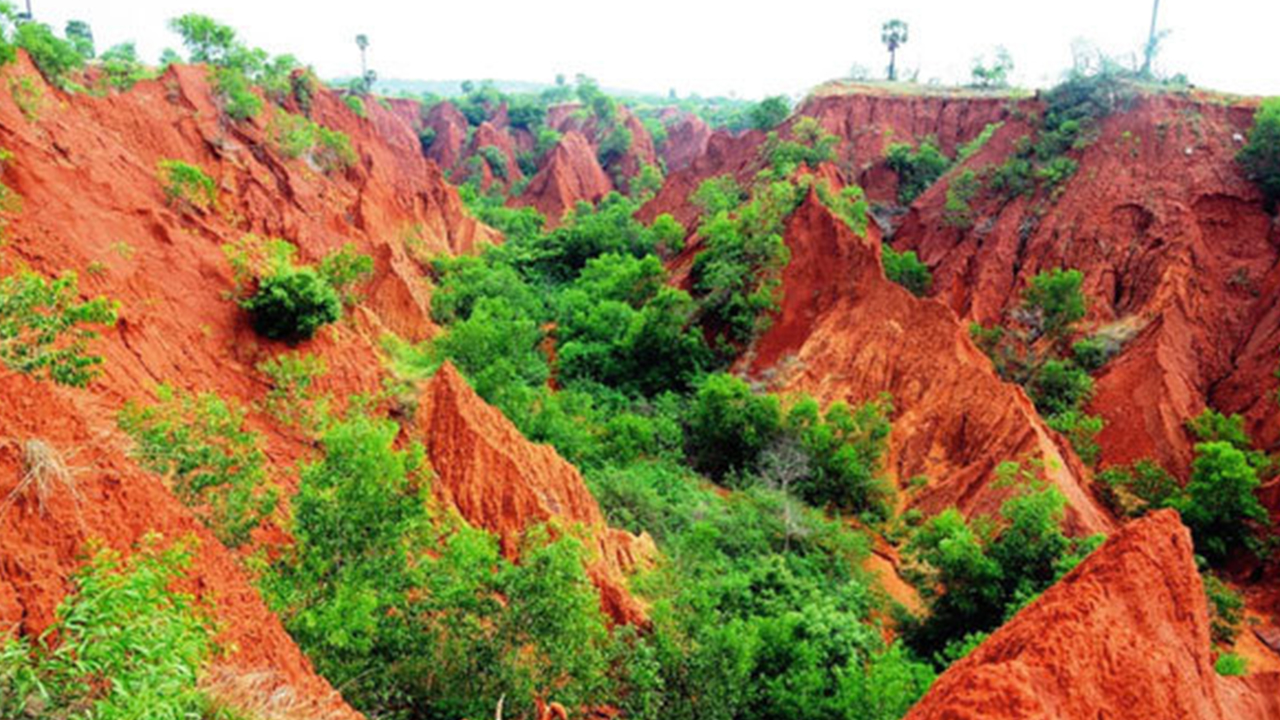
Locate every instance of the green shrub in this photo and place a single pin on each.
(615, 146)
(1055, 302)
(54, 56)
(906, 269)
(1231, 665)
(1220, 506)
(291, 399)
(1226, 609)
(187, 184)
(974, 146)
(292, 304)
(216, 466)
(1092, 352)
(80, 35)
(987, 570)
(207, 40)
(496, 160)
(123, 644)
(770, 112)
(843, 448)
(850, 205)
(344, 269)
(960, 192)
(810, 145)
(356, 105)
(729, 425)
(1081, 430)
(1059, 387)
(236, 94)
(917, 168)
(1014, 177)
(297, 136)
(1056, 172)
(42, 329)
(718, 194)
(1133, 490)
(121, 68)
(1260, 157)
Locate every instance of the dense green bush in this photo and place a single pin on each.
(235, 93)
(1260, 157)
(917, 167)
(979, 574)
(216, 465)
(1220, 506)
(770, 112)
(957, 212)
(42, 327)
(292, 304)
(1055, 303)
(809, 145)
(906, 269)
(1133, 490)
(729, 425)
(54, 56)
(121, 68)
(124, 644)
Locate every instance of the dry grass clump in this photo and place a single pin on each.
(44, 472)
(262, 695)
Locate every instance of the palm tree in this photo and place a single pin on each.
(894, 35)
(1153, 41)
(362, 42)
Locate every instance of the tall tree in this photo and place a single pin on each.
(362, 42)
(1153, 40)
(894, 35)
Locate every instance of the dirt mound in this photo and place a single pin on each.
(501, 482)
(845, 332)
(1126, 634)
(571, 173)
(1180, 264)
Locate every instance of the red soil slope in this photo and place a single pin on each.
(845, 332)
(1126, 634)
(1177, 252)
(86, 169)
(503, 483)
(570, 174)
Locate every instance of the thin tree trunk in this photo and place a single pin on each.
(1151, 40)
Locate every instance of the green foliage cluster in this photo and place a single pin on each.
(214, 464)
(123, 645)
(906, 269)
(917, 167)
(291, 302)
(1231, 665)
(770, 112)
(496, 160)
(291, 399)
(962, 190)
(1036, 352)
(55, 57)
(234, 67)
(298, 136)
(1219, 502)
(1260, 157)
(121, 68)
(416, 627)
(43, 327)
(995, 75)
(978, 573)
(737, 278)
(187, 184)
(809, 145)
(1226, 609)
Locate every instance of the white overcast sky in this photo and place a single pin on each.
(751, 49)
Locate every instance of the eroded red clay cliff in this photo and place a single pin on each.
(501, 482)
(1126, 634)
(570, 174)
(845, 332)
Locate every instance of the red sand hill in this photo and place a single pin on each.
(503, 483)
(570, 174)
(845, 332)
(1125, 634)
(687, 137)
